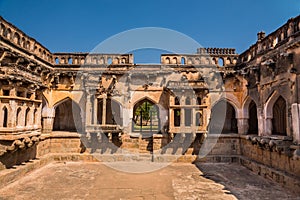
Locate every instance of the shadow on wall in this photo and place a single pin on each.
(19, 156)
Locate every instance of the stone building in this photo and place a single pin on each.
(234, 108)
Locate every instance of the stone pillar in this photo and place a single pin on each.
(171, 118)
(104, 111)
(193, 119)
(243, 125)
(296, 122)
(260, 121)
(95, 110)
(268, 126)
(12, 114)
(88, 110)
(48, 115)
(182, 120)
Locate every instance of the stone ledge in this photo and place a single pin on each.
(283, 178)
(233, 135)
(64, 134)
(8, 176)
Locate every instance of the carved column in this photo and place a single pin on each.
(12, 114)
(88, 110)
(182, 120)
(48, 115)
(243, 125)
(194, 119)
(95, 110)
(171, 118)
(296, 122)
(260, 120)
(104, 110)
(268, 126)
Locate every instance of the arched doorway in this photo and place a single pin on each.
(67, 117)
(279, 117)
(146, 117)
(253, 123)
(223, 118)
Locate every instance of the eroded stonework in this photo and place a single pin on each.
(80, 103)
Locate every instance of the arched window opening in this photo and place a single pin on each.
(17, 39)
(177, 117)
(70, 61)
(174, 60)
(279, 117)
(167, 60)
(198, 100)
(182, 60)
(116, 61)
(18, 117)
(177, 101)
(5, 117)
(253, 123)
(109, 61)
(188, 101)
(56, 60)
(146, 117)
(223, 118)
(67, 117)
(221, 62)
(27, 116)
(35, 113)
(199, 119)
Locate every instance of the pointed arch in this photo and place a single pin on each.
(223, 117)
(35, 116)
(188, 101)
(18, 117)
(5, 117)
(279, 120)
(268, 110)
(27, 117)
(177, 101)
(67, 116)
(252, 120)
(245, 106)
(233, 101)
(146, 116)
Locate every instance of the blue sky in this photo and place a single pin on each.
(78, 26)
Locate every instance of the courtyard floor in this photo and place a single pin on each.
(78, 180)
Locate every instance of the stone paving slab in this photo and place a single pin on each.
(81, 180)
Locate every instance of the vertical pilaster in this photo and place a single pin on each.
(48, 115)
(171, 118)
(243, 126)
(95, 110)
(104, 111)
(194, 119)
(182, 120)
(88, 110)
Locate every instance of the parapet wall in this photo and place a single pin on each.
(12, 34)
(279, 37)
